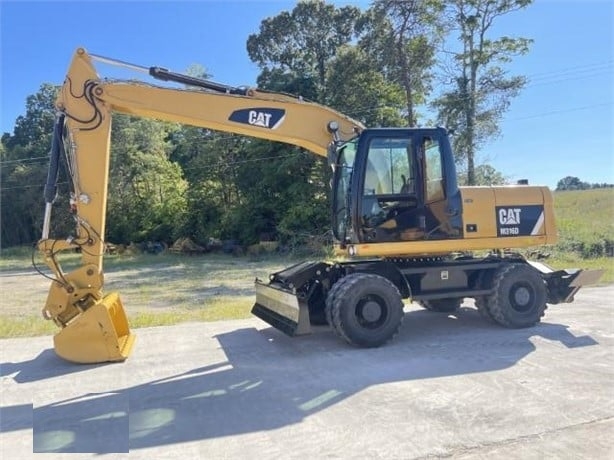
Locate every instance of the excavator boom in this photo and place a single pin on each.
(94, 326)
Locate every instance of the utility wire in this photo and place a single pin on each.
(578, 68)
(18, 187)
(194, 168)
(538, 79)
(555, 112)
(23, 160)
(255, 160)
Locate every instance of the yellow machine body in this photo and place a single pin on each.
(483, 210)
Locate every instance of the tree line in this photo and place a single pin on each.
(397, 63)
(574, 183)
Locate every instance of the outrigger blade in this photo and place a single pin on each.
(99, 334)
(582, 278)
(284, 302)
(564, 284)
(281, 309)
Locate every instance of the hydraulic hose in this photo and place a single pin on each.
(51, 186)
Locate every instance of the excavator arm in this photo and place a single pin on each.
(93, 326)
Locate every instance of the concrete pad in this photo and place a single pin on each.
(448, 385)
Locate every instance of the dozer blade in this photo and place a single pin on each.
(98, 335)
(581, 278)
(282, 309)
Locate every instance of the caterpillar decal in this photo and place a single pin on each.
(520, 220)
(259, 116)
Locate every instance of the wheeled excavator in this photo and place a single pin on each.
(403, 227)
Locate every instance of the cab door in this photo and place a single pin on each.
(403, 182)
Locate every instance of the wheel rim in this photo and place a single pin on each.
(522, 297)
(371, 312)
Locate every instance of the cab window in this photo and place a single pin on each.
(433, 169)
(388, 168)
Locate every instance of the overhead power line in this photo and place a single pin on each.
(556, 112)
(23, 160)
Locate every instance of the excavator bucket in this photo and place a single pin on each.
(100, 334)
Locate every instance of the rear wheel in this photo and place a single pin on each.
(365, 309)
(441, 305)
(481, 302)
(519, 296)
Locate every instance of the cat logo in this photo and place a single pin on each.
(509, 216)
(509, 222)
(263, 117)
(259, 118)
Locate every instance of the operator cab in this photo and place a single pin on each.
(393, 185)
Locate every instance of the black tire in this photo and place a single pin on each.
(330, 299)
(519, 296)
(366, 309)
(481, 303)
(441, 305)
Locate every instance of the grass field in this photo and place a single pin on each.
(155, 289)
(167, 288)
(585, 221)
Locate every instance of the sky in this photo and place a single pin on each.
(561, 124)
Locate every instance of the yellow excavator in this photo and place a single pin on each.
(403, 227)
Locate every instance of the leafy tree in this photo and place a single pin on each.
(24, 172)
(400, 36)
(481, 89)
(146, 190)
(571, 183)
(485, 174)
(296, 51)
(290, 82)
(358, 89)
(209, 161)
(281, 194)
(303, 41)
(34, 129)
(22, 201)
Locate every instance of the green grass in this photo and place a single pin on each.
(25, 326)
(17, 258)
(585, 222)
(155, 290)
(223, 308)
(570, 261)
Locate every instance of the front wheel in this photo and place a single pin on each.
(366, 309)
(519, 296)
